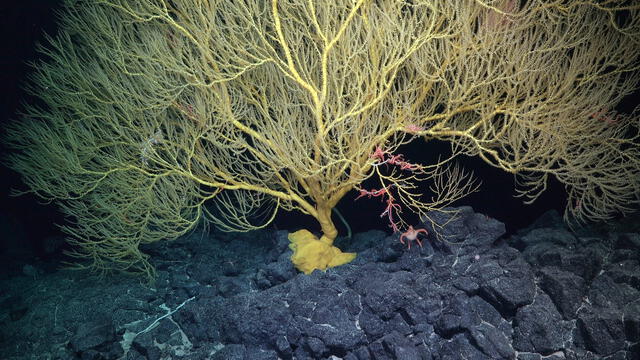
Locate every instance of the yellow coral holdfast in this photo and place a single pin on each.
(310, 254)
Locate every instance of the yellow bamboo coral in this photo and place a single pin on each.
(157, 115)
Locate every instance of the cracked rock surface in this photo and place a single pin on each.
(469, 293)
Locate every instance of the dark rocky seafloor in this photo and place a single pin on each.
(470, 293)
